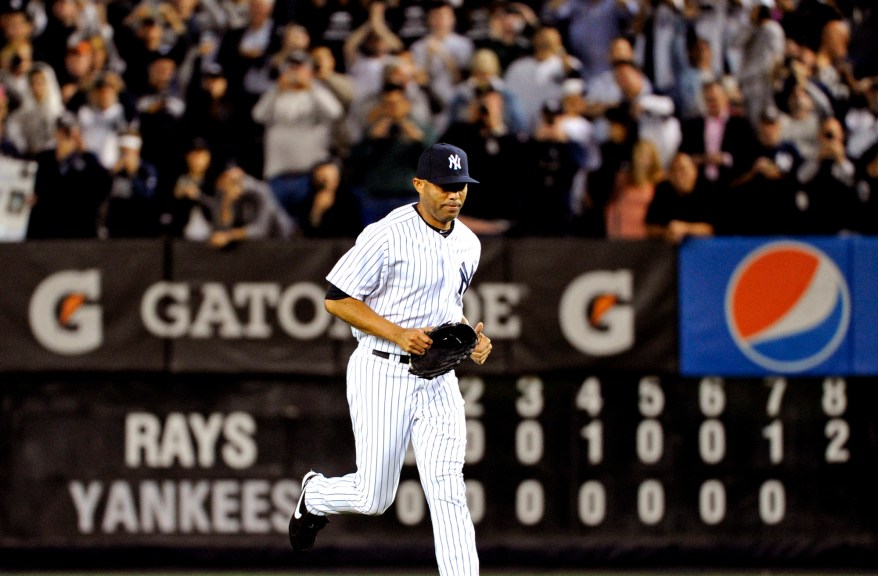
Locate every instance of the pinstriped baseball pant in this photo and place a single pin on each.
(389, 407)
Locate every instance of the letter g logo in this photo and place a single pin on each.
(595, 312)
(63, 313)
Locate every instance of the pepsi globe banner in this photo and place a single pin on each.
(778, 306)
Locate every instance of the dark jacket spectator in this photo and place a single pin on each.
(70, 187)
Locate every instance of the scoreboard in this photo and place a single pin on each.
(575, 468)
(773, 468)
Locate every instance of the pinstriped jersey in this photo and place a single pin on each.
(408, 272)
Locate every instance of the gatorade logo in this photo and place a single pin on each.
(64, 315)
(787, 306)
(595, 312)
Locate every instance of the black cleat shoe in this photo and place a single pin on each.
(304, 525)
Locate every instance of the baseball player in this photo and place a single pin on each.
(406, 273)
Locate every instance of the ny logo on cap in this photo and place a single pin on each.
(454, 162)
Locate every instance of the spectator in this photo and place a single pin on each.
(832, 70)
(867, 191)
(771, 183)
(762, 52)
(7, 148)
(603, 89)
(70, 187)
(654, 114)
(864, 42)
(160, 116)
(591, 26)
(103, 119)
(368, 48)
(633, 192)
(294, 39)
(408, 19)
(339, 83)
(189, 218)
(445, 56)
(367, 53)
(510, 28)
(16, 55)
(802, 124)
(718, 22)
(615, 154)
(333, 211)
(231, 70)
(50, 45)
(680, 207)
(78, 75)
(132, 209)
(383, 161)
(798, 69)
(555, 160)
(804, 24)
(399, 70)
(720, 143)
(213, 115)
(234, 14)
(17, 31)
(539, 76)
(831, 202)
(689, 95)
(664, 37)
(245, 53)
(862, 120)
(331, 22)
(145, 37)
(497, 207)
(295, 110)
(244, 209)
(32, 127)
(105, 55)
(14, 76)
(581, 135)
(485, 73)
(191, 19)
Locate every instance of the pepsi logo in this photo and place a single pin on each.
(787, 306)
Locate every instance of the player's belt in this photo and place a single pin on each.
(403, 358)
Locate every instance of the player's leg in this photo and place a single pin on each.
(439, 441)
(379, 395)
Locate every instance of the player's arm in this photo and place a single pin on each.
(359, 315)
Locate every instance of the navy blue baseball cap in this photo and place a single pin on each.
(444, 164)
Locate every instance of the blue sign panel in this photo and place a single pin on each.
(759, 306)
(865, 318)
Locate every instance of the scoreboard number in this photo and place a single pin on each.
(834, 402)
(712, 502)
(665, 453)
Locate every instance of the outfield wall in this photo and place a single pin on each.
(160, 402)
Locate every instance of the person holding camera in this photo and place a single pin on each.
(498, 208)
(829, 200)
(297, 109)
(382, 160)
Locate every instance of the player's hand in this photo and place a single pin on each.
(483, 346)
(414, 340)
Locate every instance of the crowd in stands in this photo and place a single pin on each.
(221, 120)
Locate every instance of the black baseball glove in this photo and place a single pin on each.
(453, 342)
